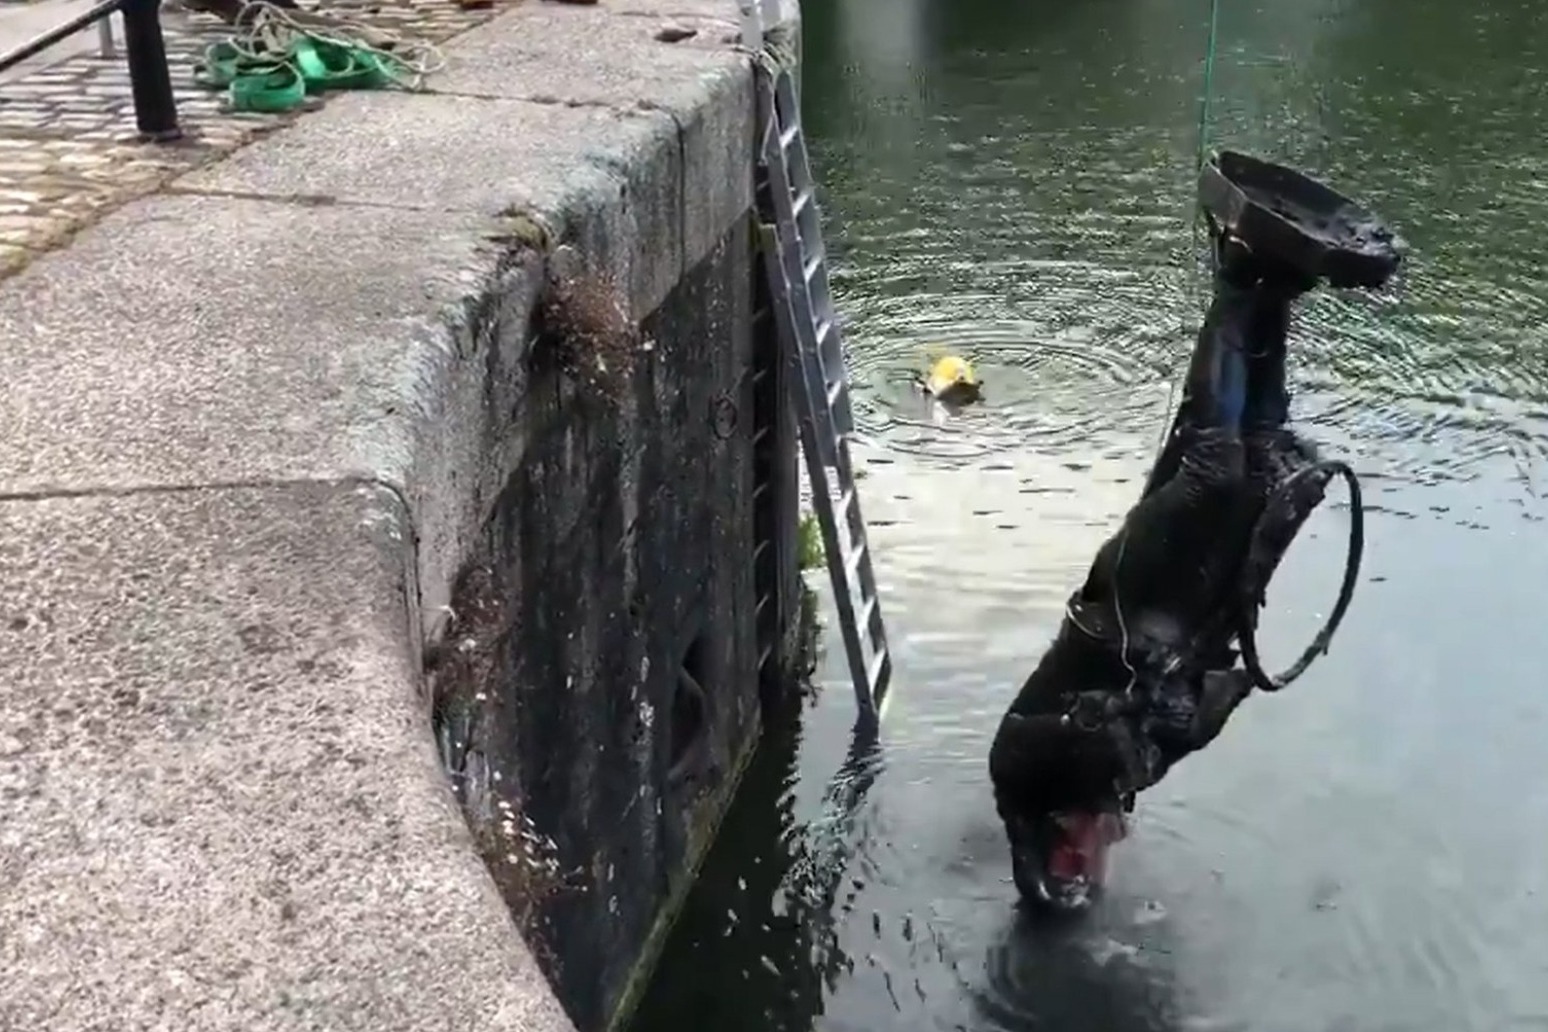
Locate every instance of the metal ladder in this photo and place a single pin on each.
(808, 329)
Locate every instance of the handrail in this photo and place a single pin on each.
(150, 81)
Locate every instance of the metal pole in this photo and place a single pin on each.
(36, 46)
(105, 46)
(752, 25)
(155, 111)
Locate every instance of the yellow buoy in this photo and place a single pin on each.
(951, 381)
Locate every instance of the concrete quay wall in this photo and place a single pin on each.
(396, 533)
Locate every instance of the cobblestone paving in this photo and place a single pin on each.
(68, 152)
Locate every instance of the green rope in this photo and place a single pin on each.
(276, 56)
(1196, 222)
(1209, 83)
(1206, 105)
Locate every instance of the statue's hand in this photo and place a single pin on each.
(1190, 716)
(1223, 691)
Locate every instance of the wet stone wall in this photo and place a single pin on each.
(597, 688)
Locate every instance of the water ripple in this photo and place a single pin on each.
(1364, 852)
(1049, 387)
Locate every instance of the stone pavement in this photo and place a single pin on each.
(68, 152)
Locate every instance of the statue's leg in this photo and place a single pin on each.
(1167, 566)
(1218, 389)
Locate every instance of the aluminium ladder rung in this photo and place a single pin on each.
(811, 264)
(873, 674)
(866, 616)
(856, 557)
(874, 624)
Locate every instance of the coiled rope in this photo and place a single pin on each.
(275, 56)
(1197, 218)
(1272, 535)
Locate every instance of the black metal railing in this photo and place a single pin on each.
(150, 81)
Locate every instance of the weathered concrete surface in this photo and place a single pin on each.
(218, 805)
(191, 389)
